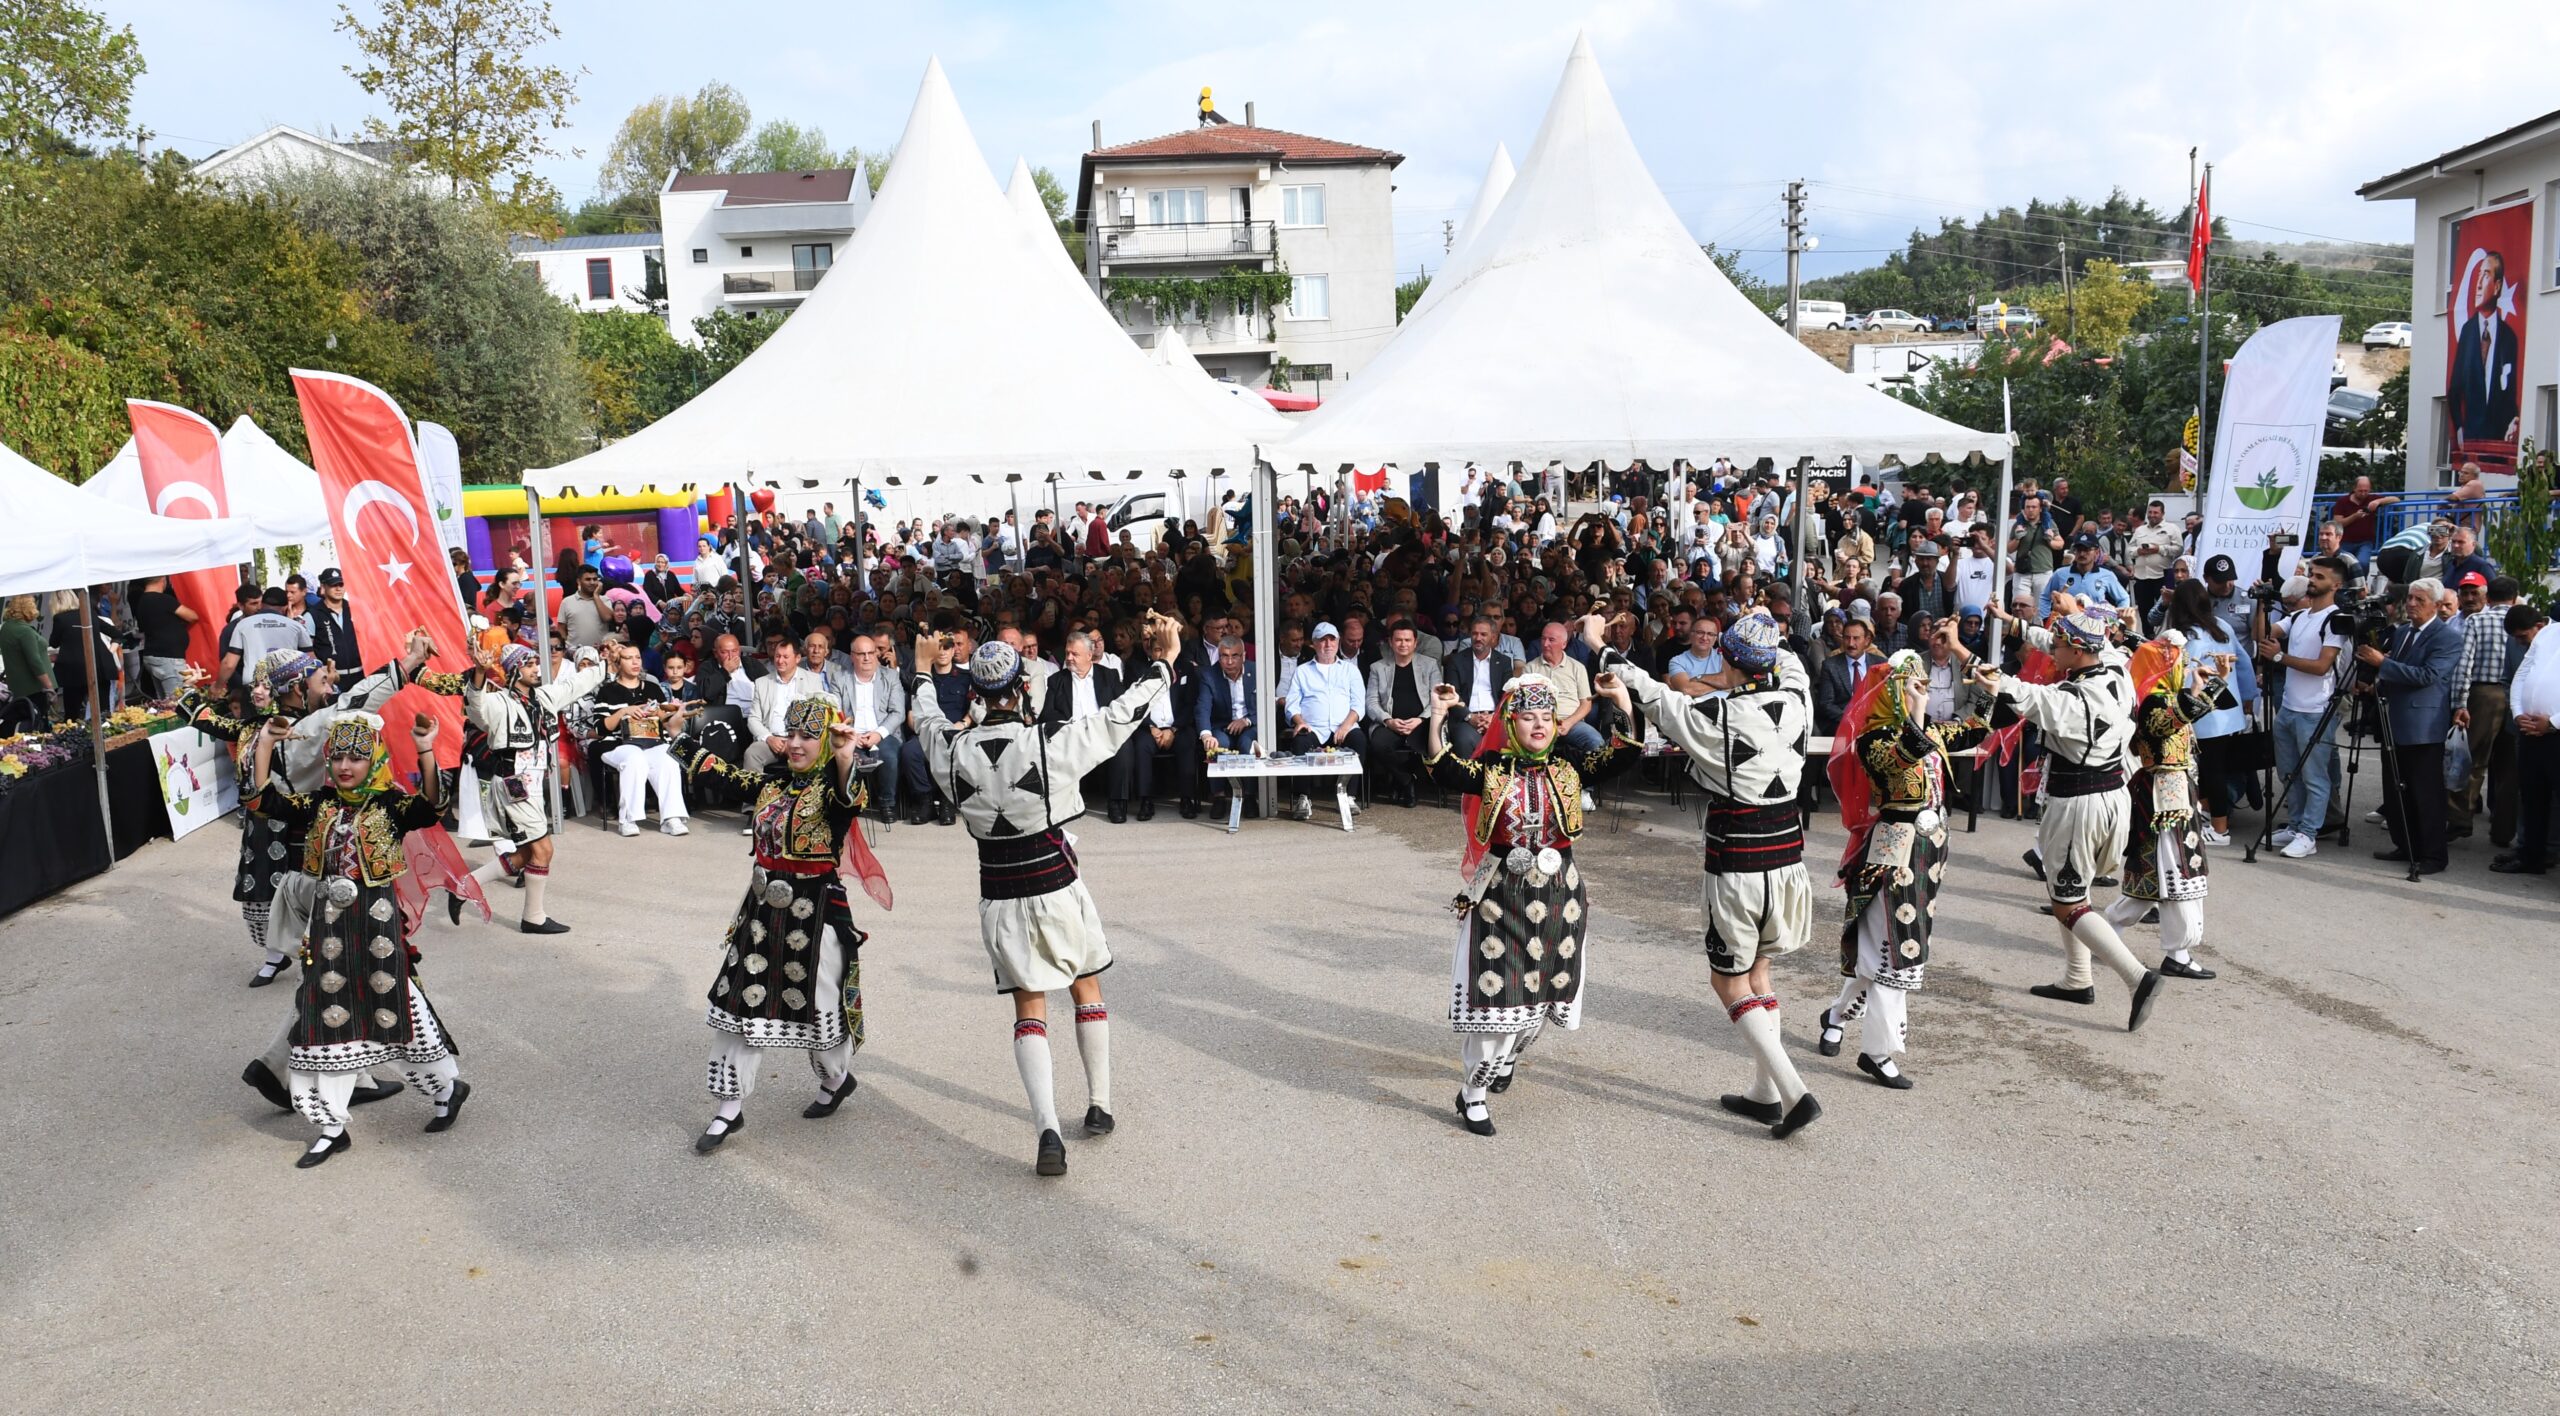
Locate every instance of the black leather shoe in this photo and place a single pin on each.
(1766, 1113)
(262, 1078)
(1804, 1113)
(321, 1151)
(2431, 867)
(2060, 994)
(2105, 882)
(450, 1108)
(1146, 808)
(2395, 853)
(2144, 994)
(1481, 1128)
(1098, 1122)
(368, 1094)
(2151, 915)
(945, 814)
(1190, 809)
(827, 1102)
(1823, 1041)
(1502, 1080)
(1405, 795)
(718, 1133)
(2515, 865)
(453, 907)
(2171, 968)
(1053, 1155)
(2035, 862)
(1119, 812)
(1897, 1079)
(269, 973)
(548, 926)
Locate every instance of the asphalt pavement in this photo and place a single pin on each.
(2320, 1183)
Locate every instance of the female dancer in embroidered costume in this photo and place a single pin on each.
(792, 976)
(1520, 959)
(2164, 858)
(1889, 770)
(359, 1004)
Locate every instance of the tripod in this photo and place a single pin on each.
(2393, 770)
(2341, 678)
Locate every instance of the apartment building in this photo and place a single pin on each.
(620, 272)
(753, 242)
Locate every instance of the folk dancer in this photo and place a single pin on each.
(1889, 769)
(1015, 782)
(1746, 748)
(1520, 958)
(359, 1004)
(286, 684)
(2164, 848)
(2086, 722)
(513, 744)
(792, 976)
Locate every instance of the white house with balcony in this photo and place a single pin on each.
(618, 272)
(753, 242)
(1226, 196)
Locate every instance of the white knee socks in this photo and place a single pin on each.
(537, 884)
(1031, 1058)
(1758, 1019)
(2090, 934)
(1479, 1053)
(1093, 1044)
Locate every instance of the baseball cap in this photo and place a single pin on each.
(2471, 578)
(1925, 550)
(2220, 568)
(1324, 630)
(2085, 541)
(332, 577)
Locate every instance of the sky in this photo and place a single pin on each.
(1897, 114)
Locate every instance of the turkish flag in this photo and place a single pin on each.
(181, 456)
(387, 546)
(1369, 481)
(2200, 236)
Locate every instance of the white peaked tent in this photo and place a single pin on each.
(1023, 195)
(279, 496)
(1583, 323)
(1248, 412)
(53, 538)
(942, 344)
(1497, 185)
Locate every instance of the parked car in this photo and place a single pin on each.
(1815, 314)
(2390, 334)
(2347, 408)
(1951, 324)
(1900, 321)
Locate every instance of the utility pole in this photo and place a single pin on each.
(1795, 247)
(2070, 303)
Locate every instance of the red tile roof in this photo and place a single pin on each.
(833, 184)
(1237, 140)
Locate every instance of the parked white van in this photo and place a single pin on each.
(1816, 314)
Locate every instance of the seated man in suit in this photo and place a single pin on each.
(875, 703)
(1079, 691)
(1478, 673)
(1221, 714)
(1400, 685)
(1837, 680)
(2415, 680)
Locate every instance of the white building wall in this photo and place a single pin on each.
(275, 153)
(1355, 250)
(564, 274)
(2534, 176)
(693, 286)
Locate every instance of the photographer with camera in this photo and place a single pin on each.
(2414, 680)
(2307, 644)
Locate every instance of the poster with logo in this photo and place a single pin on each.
(2266, 445)
(197, 782)
(2484, 320)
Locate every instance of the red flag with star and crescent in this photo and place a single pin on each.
(384, 525)
(2200, 235)
(181, 457)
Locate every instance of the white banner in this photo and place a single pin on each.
(440, 469)
(2266, 444)
(197, 783)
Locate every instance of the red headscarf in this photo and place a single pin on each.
(1848, 775)
(1496, 739)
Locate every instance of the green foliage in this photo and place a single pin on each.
(473, 106)
(1409, 294)
(875, 169)
(635, 372)
(1053, 198)
(784, 146)
(728, 337)
(618, 216)
(64, 76)
(1759, 292)
(673, 133)
(2108, 303)
(503, 374)
(1173, 298)
(2525, 542)
(57, 405)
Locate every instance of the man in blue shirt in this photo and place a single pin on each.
(2084, 577)
(1323, 707)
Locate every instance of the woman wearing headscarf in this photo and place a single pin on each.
(792, 973)
(1521, 917)
(359, 1004)
(1889, 768)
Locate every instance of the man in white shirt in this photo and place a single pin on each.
(875, 703)
(774, 694)
(2533, 705)
(2155, 546)
(1323, 708)
(1478, 673)
(2309, 647)
(1975, 569)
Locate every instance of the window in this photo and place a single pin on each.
(701, 256)
(2440, 455)
(1178, 206)
(1310, 297)
(2546, 415)
(816, 256)
(1302, 206)
(600, 278)
(1312, 373)
(746, 250)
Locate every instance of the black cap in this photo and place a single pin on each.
(272, 597)
(331, 577)
(2220, 568)
(2085, 541)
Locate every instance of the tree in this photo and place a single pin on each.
(619, 216)
(504, 373)
(472, 104)
(64, 76)
(2525, 541)
(2100, 311)
(1409, 294)
(1053, 198)
(635, 372)
(1759, 292)
(781, 145)
(672, 133)
(728, 337)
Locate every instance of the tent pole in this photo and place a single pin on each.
(1266, 634)
(97, 743)
(746, 582)
(861, 557)
(2000, 533)
(1021, 533)
(538, 536)
(1803, 561)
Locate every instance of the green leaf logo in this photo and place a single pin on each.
(182, 804)
(2267, 495)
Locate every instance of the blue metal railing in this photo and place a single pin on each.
(2414, 508)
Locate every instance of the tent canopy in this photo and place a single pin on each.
(54, 538)
(270, 487)
(1584, 324)
(1239, 407)
(943, 342)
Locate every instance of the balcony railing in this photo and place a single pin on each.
(787, 281)
(1206, 241)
